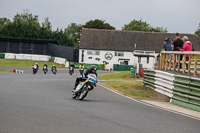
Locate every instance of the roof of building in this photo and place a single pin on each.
(115, 40)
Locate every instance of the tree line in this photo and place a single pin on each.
(27, 26)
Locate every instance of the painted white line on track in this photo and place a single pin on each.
(150, 104)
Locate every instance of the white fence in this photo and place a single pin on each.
(58, 60)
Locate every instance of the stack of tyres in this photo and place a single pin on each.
(132, 72)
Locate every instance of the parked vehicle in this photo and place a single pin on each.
(83, 88)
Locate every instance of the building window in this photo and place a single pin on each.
(121, 62)
(117, 53)
(93, 52)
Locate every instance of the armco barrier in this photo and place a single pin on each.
(60, 60)
(182, 90)
(161, 82)
(44, 58)
(27, 57)
(10, 56)
(19, 56)
(186, 92)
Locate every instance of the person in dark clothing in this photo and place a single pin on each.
(167, 47)
(45, 66)
(84, 76)
(53, 68)
(167, 44)
(178, 43)
(73, 66)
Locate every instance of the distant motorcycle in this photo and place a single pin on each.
(81, 70)
(71, 70)
(54, 71)
(35, 69)
(83, 88)
(45, 69)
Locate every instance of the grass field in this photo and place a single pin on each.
(132, 87)
(6, 71)
(118, 75)
(26, 63)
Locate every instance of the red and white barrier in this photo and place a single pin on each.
(18, 71)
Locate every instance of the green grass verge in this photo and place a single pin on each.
(130, 87)
(26, 63)
(119, 75)
(6, 71)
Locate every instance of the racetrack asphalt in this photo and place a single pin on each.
(42, 104)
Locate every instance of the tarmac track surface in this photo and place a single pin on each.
(42, 104)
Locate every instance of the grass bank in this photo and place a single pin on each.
(6, 71)
(132, 87)
(26, 63)
(117, 75)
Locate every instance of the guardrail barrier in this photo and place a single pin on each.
(182, 90)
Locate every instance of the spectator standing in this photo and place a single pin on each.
(167, 47)
(186, 47)
(178, 42)
(167, 44)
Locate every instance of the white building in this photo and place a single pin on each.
(119, 47)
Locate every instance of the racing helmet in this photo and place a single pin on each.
(93, 69)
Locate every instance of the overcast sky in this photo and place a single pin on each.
(176, 15)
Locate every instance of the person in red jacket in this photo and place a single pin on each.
(187, 46)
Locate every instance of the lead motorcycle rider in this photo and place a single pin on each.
(84, 76)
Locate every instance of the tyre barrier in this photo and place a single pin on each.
(18, 71)
(183, 90)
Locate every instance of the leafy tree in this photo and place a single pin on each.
(26, 17)
(159, 29)
(4, 21)
(47, 24)
(26, 25)
(198, 31)
(74, 31)
(139, 25)
(62, 38)
(46, 29)
(98, 24)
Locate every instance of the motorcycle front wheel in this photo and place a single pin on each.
(74, 95)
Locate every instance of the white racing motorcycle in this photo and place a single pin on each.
(45, 69)
(83, 88)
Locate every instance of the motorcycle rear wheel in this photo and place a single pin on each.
(84, 93)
